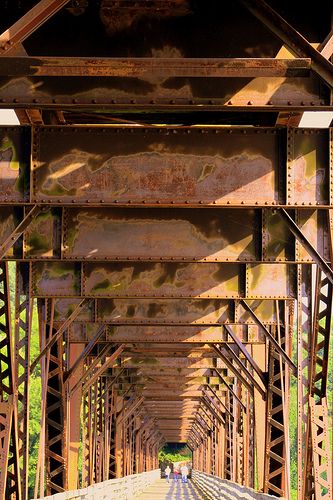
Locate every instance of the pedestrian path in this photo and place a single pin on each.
(175, 490)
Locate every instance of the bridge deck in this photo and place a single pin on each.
(172, 491)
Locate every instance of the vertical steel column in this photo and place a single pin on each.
(74, 420)
(275, 457)
(56, 421)
(23, 321)
(12, 487)
(304, 334)
(259, 353)
(86, 439)
(6, 418)
(228, 464)
(317, 423)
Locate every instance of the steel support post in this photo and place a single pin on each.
(228, 464)
(74, 404)
(23, 321)
(316, 442)
(259, 353)
(304, 334)
(86, 439)
(276, 445)
(12, 488)
(56, 418)
(6, 418)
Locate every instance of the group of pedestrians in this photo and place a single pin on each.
(176, 471)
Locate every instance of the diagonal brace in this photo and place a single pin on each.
(59, 332)
(269, 336)
(85, 352)
(29, 23)
(229, 388)
(306, 244)
(295, 41)
(246, 353)
(19, 230)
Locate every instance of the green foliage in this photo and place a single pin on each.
(172, 453)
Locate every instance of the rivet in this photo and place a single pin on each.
(250, 103)
(229, 103)
(290, 103)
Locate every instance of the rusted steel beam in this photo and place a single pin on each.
(270, 337)
(6, 418)
(246, 353)
(213, 402)
(54, 338)
(318, 381)
(19, 230)
(23, 322)
(161, 67)
(83, 355)
(222, 355)
(107, 364)
(306, 244)
(27, 24)
(244, 368)
(295, 41)
(8, 389)
(230, 389)
(164, 280)
(90, 370)
(326, 47)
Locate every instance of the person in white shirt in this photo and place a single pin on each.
(184, 471)
(167, 473)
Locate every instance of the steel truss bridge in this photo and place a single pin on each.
(172, 228)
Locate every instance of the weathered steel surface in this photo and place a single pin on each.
(165, 334)
(162, 234)
(164, 280)
(14, 164)
(180, 166)
(165, 311)
(308, 167)
(160, 67)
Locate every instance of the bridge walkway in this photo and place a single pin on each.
(174, 490)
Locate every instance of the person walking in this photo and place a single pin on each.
(167, 473)
(184, 471)
(176, 471)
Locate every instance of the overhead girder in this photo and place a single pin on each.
(163, 258)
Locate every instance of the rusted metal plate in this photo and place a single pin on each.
(9, 220)
(200, 280)
(164, 280)
(265, 310)
(156, 165)
(165, 334)
(313, 224)
(278, 243)
(115, 92)
(14, 164)
(308, 167)
(63, 308)
(42, 239)
(195, 311)
(165, 362)
(201, 235)
(270, 281)
(56, 279)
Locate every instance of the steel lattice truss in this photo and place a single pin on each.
(172, 228)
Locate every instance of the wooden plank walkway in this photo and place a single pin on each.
(161, 490)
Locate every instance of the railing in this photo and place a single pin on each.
(114, 489)
(215, 487)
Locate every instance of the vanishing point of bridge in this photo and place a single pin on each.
(166, 247)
